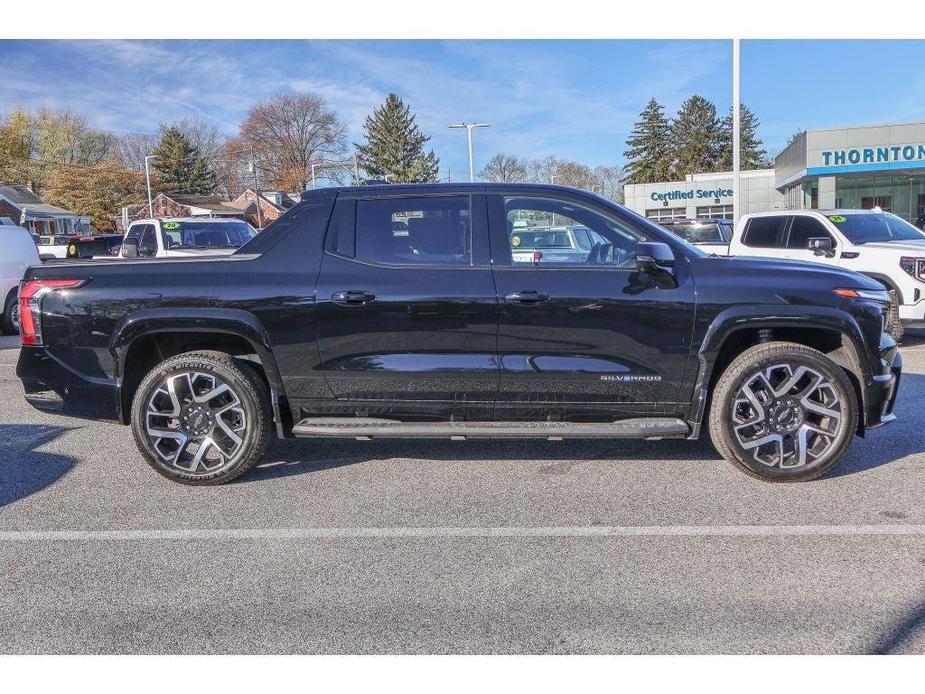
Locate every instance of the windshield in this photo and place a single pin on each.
(230, 234)
(697, 232)
(876, 226)
(548, 238)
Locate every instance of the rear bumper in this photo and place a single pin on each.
(52, 387)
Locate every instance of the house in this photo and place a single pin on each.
(28, 210)
(273, 203)
(173, 205)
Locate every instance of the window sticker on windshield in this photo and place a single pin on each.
(838, 218)
(515, 241)
(170, 225)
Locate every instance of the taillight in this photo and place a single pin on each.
(30, 306)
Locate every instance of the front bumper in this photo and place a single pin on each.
(53, 387)
(882, 388)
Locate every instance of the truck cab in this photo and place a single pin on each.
(184, 236)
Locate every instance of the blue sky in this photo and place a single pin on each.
(575, 99)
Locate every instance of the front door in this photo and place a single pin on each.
(585, 337)
(407, 311)
(802, 229)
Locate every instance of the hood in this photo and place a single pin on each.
(187, 252)
(788, 273)
(896, 246)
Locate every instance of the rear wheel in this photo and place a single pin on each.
(202, 418)
(783, 412)
(9, 321)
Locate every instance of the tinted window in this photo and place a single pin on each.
(561, 233)
(231, 234)
(802, 229)
(876, 226)
(410, 231)
(763, 232)
(147, 243)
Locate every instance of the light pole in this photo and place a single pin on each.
(736, 135)
(313, 175)
(148, 181)
(468, 127)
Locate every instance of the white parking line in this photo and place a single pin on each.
(471, 532)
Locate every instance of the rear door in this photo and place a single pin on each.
(765, 236)
(586, 338)
(407, 311)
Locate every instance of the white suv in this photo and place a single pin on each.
(873, 243)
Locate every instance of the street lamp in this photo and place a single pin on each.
(148, 181)
(468, 127)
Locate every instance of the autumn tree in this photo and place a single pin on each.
(100, 191)
(16, 142)
(394, 147)
(179, 165)
(504, 168)
(287, 134)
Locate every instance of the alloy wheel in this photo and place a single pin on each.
(195, 422)
(787, 416)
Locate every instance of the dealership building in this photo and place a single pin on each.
(858, 167)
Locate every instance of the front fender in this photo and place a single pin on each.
(226, 321)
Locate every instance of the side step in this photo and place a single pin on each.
(371, 427)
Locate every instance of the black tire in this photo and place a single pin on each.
(894, 326)
(9, 323)
(250, 404)
(788, 418)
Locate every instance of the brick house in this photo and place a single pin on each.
(27, 209)
(273, 203)
(172, 205)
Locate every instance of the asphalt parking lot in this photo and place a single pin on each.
(457, 547)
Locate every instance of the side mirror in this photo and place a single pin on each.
(130, 248)
(821, 245)
(654, 257)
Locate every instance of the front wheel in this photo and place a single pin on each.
(202, 418)
(783, 412)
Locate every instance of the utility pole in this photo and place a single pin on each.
(313, 176)
(469, 127)
(256, 189)
(736, 134)
(356, 170)
(148, 181)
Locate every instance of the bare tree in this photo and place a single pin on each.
(132, 148)
(542, 170)
(505, 168)
(288, 134)
(609, 178)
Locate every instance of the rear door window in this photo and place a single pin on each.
(764, 232)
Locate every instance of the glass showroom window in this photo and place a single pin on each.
(715, 212)
(662, 213)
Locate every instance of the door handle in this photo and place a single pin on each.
(530, 296)
(352, 297)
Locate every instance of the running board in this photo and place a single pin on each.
(371, 427)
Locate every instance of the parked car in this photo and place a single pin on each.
(82, 247)
(17, 252)
(51, 247)
(184, 236)
(711, 235)
(328, 324)
(553, 244)
(873, 243)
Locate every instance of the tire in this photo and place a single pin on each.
(787, 419)
(894, 326)
(9, 321)
(198, 446)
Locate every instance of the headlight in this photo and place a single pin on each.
(875, 294)
(913, 266)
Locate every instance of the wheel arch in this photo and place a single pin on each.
(148, 337)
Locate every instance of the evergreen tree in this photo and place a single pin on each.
(179, 165)
(753, 154)
(394, 147)
(648, 154)
(696, 137)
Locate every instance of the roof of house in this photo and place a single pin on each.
(215, 204)
(23, 197)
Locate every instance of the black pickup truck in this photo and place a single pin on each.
(405, 311)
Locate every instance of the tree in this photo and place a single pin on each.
(752, 153)
(504, 168)
(100, 191)
(179, 165)
(543, 170)
(695, 137)
(16, 143)
(287, 134)
(648, 155)
(571, 173)
(611, 182)
(394, 147)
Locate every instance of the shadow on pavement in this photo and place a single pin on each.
(900, 634)
(24, 470)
